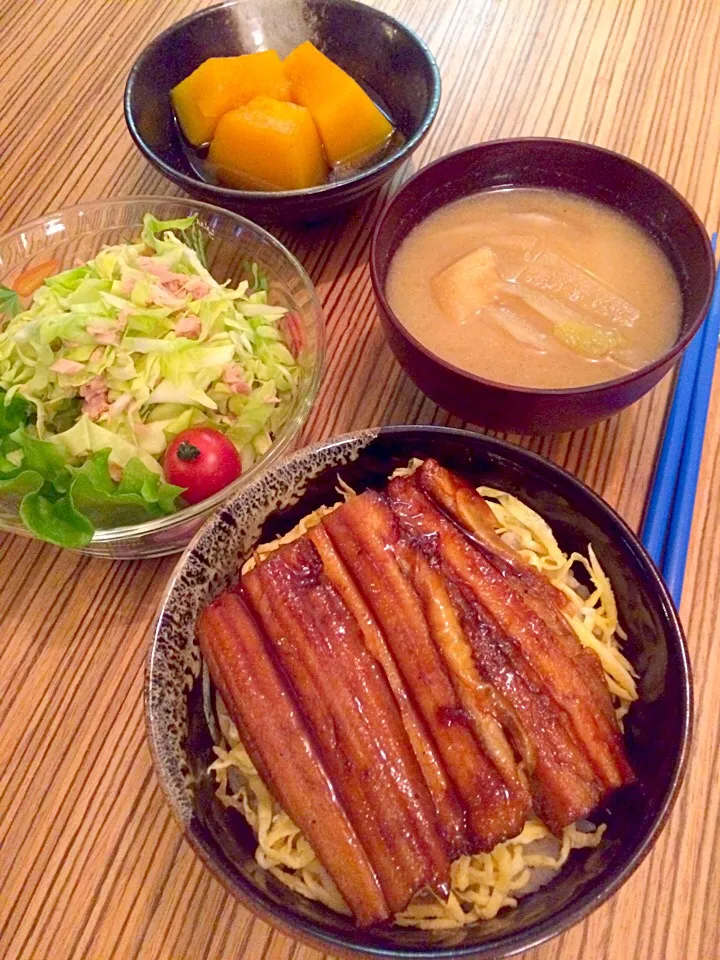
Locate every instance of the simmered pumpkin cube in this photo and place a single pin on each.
(268, 145)
(351, 126)
(198, 126)
(261, 75)
(222, 83)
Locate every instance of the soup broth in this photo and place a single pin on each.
(536, 288)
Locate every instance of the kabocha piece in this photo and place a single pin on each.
(537, 646)
(463, 504)
(365, 533)
(210, 82)
(222, 83)
(353, 716)
(444, 796)
(268, 145)
(279, 744)
(351, 126)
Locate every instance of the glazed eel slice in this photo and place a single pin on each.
(464, 505)
(277, 739)
(536, 645)
(366, 535)
(448, 808)
(495, 722)
(565, 788)
(354, 719)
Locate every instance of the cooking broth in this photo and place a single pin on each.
(197, 157)
(536, 288)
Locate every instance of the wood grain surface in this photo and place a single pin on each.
(91, 865)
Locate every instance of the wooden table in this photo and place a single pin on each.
(91, 864)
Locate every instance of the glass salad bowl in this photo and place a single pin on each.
(232, 245)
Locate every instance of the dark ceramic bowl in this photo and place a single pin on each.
(384, 56)
(657, 727)
(580, 168)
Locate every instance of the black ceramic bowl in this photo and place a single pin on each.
(657, 727)
(384, 56)
(579, 168)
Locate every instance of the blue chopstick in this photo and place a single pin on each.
(657, 518)
(676, 547)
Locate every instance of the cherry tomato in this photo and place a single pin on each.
(203, 461)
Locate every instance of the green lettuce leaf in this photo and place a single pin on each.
(44, 458)
(68, 281)
(10, 462)
(56, 520)
(137, 480)
(64, 504)
(13, 414)
(10, 304)
(141, 495)
(14, 489)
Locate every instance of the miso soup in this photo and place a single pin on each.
(536, 288)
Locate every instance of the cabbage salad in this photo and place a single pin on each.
(114, 358)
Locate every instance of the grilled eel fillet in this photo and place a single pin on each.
(449, 810)
(279, 743)
(463, 504)
(520, 654)
(366, 535)
(354, 719)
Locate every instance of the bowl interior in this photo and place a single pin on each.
(381, 54)
(233, 245)
(657, 728)
(579, 168)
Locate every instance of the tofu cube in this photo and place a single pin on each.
(467, 285)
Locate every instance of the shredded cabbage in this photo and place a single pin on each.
(146, 324)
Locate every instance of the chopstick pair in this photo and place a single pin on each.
(668, 520)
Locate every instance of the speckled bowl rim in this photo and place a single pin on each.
(505, 946)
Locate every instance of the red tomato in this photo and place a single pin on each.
(203, 461)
